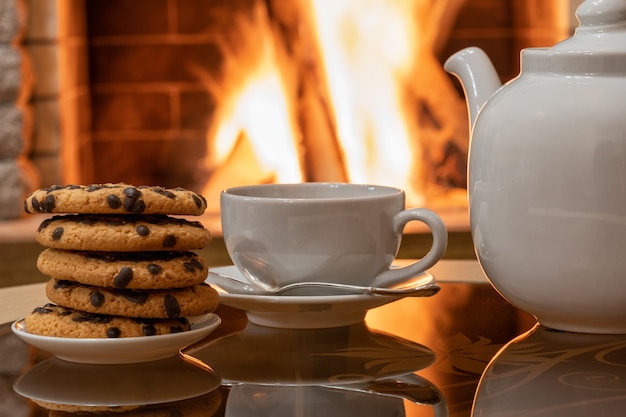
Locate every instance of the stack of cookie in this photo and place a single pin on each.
(120, 263)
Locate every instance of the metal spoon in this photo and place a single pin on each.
(408, 288)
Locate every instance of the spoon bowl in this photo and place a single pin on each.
(423, 285)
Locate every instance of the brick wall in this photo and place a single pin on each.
(149, 108)
(137, 111)
(504, 27)
(25, 89)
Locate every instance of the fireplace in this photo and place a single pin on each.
(152, 91)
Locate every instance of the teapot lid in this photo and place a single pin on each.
(602, 28)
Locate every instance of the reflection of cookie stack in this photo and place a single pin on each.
(204, 406)
(120, 264)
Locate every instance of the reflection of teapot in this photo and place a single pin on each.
(547, 173)
(553, 373)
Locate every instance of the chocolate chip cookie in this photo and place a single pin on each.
(116, 233)
(53, 320)
(170, 303)
(115, 198)
(203, 406)
(133, 270)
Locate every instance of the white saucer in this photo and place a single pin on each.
(122, 350)
(302, 311)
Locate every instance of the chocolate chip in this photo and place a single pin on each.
(92, 318)
(113, 332)
(96, 298)
(172, 308)
(154, 269)
(148, 330)
(132, 202)
(35, 203)
(49, 203)
(123, 278)
(197, 264)
(142, 230)
(134, 206)
(194, 224)
(132, 193)
(169, 241)
(42, 310)
(94, 187)
(114, 201)
(136, 297)
(197, 200)
(57, 233)
(81, 318)
(189, 267)
(164, 192)
(61, 284)
(176, 329)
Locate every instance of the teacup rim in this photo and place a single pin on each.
(240, 191)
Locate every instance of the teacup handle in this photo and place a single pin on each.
(438, 248)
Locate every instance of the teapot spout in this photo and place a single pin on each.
(477, 75)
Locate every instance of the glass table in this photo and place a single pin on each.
(463, 351)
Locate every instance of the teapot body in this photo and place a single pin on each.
(547, 190)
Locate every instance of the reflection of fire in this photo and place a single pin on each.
(329, 91)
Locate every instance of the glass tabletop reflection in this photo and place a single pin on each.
(465, 350)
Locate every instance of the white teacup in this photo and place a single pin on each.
(277, 234)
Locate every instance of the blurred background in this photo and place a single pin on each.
(211, 94)
(207, 94)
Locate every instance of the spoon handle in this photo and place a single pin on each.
(235, 286)
(423, 291)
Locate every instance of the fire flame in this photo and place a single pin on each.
(367, 54)
(260, 109)
(366, 59)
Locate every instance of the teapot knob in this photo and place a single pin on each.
(601, 12)
(602, 28)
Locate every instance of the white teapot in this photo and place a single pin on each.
(547, 173)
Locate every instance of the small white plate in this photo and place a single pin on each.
(302, 311)
(121, 350)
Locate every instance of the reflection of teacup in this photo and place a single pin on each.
(350, 354)
(277, 234)
(286, 401)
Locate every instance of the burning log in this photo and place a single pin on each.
(322, 156)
